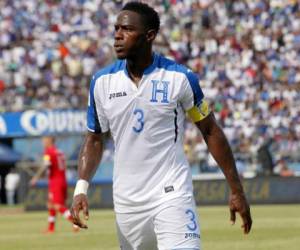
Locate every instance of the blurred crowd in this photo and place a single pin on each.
(246, 53)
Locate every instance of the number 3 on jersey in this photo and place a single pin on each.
(192, 226)
(140, 119)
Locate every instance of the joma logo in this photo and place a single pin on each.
(118, 94)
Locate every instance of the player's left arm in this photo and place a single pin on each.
(192, 100)
(42, 169)
(220, 149)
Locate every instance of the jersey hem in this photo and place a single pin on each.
(133, 209)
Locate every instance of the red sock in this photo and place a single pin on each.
(65, 212)
(51, 219)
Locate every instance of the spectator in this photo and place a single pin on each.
(12, 181)
(283, 170)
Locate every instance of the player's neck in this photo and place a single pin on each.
(136, 66)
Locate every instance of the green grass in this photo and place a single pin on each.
(274, 228)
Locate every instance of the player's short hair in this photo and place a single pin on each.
(149, 15)
(50, 137)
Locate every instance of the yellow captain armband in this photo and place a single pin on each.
(199, 112)
(46, 159)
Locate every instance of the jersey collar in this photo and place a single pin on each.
(148, 70)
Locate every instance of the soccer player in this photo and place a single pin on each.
(142, 99)
(54, 161)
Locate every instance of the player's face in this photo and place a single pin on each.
(130, 37)
(47, 141)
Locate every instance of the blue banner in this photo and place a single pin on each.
(259, 190)
(42, 122)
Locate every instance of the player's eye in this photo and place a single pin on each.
(128, 28)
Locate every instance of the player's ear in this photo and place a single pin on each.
(150, 35)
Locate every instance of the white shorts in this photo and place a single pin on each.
(173, 225)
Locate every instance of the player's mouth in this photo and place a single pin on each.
(118, 47)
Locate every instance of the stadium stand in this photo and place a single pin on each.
(247, 55)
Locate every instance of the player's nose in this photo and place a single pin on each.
(118, 34)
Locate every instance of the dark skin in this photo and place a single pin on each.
(219, 147)
(89, 158)
(133, 42)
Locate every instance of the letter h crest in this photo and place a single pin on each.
(162, 88)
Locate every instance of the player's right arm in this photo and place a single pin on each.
(89, 159)
(91, 152)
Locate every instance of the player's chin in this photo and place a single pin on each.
(121, 55)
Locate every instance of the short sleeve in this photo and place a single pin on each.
(96, 119)
(191, 92)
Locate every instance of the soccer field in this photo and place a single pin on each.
(274, 228)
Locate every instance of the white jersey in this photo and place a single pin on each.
(146, 123)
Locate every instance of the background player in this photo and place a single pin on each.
(54, 162)
(142, 100)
